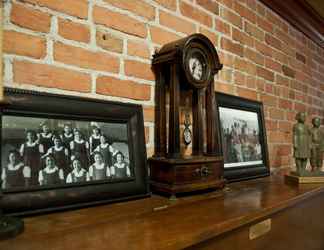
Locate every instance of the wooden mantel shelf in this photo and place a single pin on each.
(157, 223)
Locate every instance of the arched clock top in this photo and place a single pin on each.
(197, 56)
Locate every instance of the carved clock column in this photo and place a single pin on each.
(174, 122)
(188, 64)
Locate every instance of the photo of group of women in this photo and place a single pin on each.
(240, 137)
(42, 152)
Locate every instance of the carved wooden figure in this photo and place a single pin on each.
(301, 141)
(186, 64)
(317, 138)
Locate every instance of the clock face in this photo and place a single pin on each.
(197, 65)
(196, 68)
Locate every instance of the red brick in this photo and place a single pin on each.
(269, 88)
(139, 70)
(273, 65)
(50, 76)
(253, 31)
(228, 45)
(300, 57)
(176, 23)
(242, 38)
(228, 3)
(269, 100)
(226, 59)
(209, 5)
(138, 7)
(247, 93)
(264, 24)
(288, 71)
(253, 56)
(139, 49)
(282, 80)
(283, 36)
(271, 125)
(239, 78)
(225, 75)
(222, 27)
(260, 84)
(161, 36)
(85, 59)
(272, 41)
(224, 88)
(73, 31)
(280, 57)
(284, 149)
(29, 18)
(78, 8)
(261, 10)
(170, 4)
(244, 12)
(285, 104)
(252, 4)
(194, 13)
(263, 49)
(23, 44)
(251, 82)
(245, 66)
(122, 88)
(211, 35)
(299, 107)
(264, 73)
(231, 17)
(276, 114)
(119, 22)
(148, 112)
(109, 42)
(272, 18)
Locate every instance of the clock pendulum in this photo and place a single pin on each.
(186, 65)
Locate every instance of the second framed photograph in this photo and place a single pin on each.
(243, 137)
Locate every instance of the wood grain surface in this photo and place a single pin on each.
(157, 223)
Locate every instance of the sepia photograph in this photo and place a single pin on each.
(38, 152)
(241, 137)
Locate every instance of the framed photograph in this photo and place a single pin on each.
(243, 137)
(60, 152)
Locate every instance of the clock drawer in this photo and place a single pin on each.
(195, 173)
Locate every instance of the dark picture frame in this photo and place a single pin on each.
(24, 117)
(243, 137)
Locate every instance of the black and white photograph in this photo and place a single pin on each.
(42, 152)
(60, 151)
(243, 137)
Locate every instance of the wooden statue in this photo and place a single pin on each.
(317, 137)
(301, 141)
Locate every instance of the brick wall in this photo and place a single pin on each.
(102, 49)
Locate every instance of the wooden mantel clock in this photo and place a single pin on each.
(188, 64)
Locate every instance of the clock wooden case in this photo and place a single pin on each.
(188, 64)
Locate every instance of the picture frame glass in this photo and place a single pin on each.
(39, 152)
(240, 133)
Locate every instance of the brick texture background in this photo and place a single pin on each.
(102, 49)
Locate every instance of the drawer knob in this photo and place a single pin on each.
(205, 171)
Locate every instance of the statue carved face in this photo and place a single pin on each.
(301, 117)
(316, 122)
